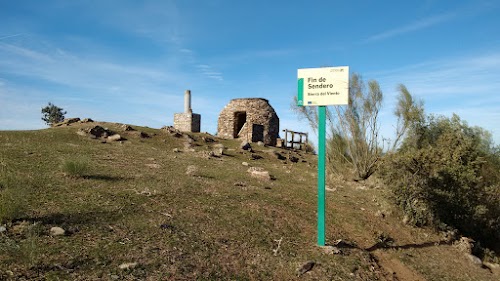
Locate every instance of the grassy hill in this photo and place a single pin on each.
(160, 206)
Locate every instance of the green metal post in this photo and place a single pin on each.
(321, 174)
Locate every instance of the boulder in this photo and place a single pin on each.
(87, 120)
(98, 131)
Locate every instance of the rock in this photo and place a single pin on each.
(176, 150)
(475, 260)
(114, 277)
(406, 219)
(293, 159)
(259, 173)
(87, 120)
(260, 143)
(126, 127)
(57, 231)
(191, 170)
(218, 149)
(256, 156)
(66, 122)
(153, 166)
(2, 229)
(207, 139)
(246, 146)
(144, 135)
(98, 131)
(128, 265)
(465, 245)
(81, 132)
(492, 266)
(245, 163)
(380, 214)
(331, 250)
(278, 155)
(308, 266)
(115, 137)
(19, 227)
(240, 184)
(172, 131)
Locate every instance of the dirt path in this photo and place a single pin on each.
(399, 271)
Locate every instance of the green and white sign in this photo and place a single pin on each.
(323, 86)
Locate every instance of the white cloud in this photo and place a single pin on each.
(414, 26)
(467, 86)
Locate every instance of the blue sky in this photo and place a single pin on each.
(130, 61)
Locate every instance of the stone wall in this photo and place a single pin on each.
(187, 122)
(252, 119)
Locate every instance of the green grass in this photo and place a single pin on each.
(219, 224)
(76, 167)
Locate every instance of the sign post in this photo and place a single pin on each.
(321, 87)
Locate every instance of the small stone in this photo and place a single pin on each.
(57, 231)
(176, 150)
(2, 229)
(128, 265)
(256, 156)
(115, 137)
(308, 266)
(293, 159)
(475, 260)
(259, 173)
(331, 250)
(465, 245)
(246, 146)
(406, 219)
(260, 143)
(207, 139)
(380, 214)
(218, 149)
(126, 127)
(191, 170)
(492, 266)
(245, 164)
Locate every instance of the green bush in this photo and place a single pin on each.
(76, 167)
(444, 174)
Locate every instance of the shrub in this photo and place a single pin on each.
(76, 167)
(443, 175)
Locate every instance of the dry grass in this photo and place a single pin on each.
(135, 203)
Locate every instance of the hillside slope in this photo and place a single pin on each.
(158, 205)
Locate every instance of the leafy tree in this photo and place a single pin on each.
(354, 141)
(52, 114)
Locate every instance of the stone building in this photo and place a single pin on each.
(187, 121)
(251, 119)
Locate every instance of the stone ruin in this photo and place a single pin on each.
(250, 119)
(187, 121)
